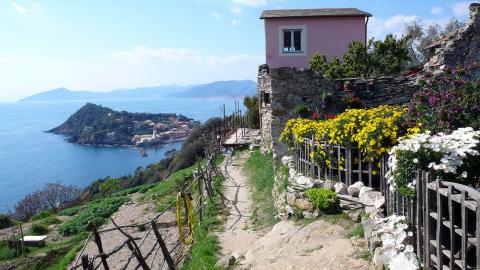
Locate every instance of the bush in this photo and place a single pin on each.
(322, 198)
(95, 213)
(42, 215)
(39, 229)
(72, 211)
(5, 222)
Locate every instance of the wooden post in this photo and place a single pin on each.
(464, 229)
(419, 202)
(98, 241)
(200, 201)
(452, 227)
(86, 263)
(426, 220)
(136, 252)
(163, 246)
(438, 237)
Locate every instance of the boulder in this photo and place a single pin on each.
(363, 190)
(290, 198)
(329, 184)
(356, 215)
(372, 198)
(304, 204)
(354, 189)
(301, 182)
(404, 261)
(225, 262)
(340, 188)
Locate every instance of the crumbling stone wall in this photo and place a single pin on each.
(461, 48)
(280, 89)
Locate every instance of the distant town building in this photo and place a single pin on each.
(293, 36)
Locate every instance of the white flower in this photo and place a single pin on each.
(464, 174)
(415, 160)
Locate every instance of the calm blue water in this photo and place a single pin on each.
(30, 157)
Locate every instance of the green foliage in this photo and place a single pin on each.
(301, 110)
(95, 212)
(39, 229)
(42, 215)
(378, 58)
(5, 222)
(252, 114)
(64, 261)
(72, 211)
(357, 231)
(259, 170)
(6, 253)
(205, 249)
(322, 198)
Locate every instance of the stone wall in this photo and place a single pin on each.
(459, 48)
(280, 89)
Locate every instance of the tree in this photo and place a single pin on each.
(419, 37)
(379, 58)
(252, 114)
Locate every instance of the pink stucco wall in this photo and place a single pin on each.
(327, 35)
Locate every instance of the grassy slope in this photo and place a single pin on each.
(259, 170)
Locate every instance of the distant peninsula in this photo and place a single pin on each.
(97, 125)
(215, 89)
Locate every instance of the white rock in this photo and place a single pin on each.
(290, 198)
(287, 160)
(404, 261)
(363, 190)
(329, 184)
(225, 262)
(372, 198)
(354, 189)
(340, 188)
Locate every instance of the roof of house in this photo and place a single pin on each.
(317, 12)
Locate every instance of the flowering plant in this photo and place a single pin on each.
(453, 157)
(447, 103)
(374, 131)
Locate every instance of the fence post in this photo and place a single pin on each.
(426, 243)
(163, 246)
(86, 263)
(200, 200)
(136, 252)
(419, 202)
(98, 241)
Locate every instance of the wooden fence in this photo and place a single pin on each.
(444, 216)
(144, 258)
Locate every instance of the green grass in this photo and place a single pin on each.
(259, 170)
(64, 261)
(357, 231)
(203, 254)
(95, 212)
(39, 229)
(72, 211)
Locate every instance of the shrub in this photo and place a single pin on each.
(322, 198)
(39, 229)
(95, 213)
(447, 103)
(42, 215)
(5, 222)
(72, 211)
(453, 157)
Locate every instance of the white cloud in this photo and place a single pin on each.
(216, 15)
(235, 22)
(378, 27)
(168, 55)
(436, 10)
(236, 10)
(252, 3)
(460, 9)
(32, 8)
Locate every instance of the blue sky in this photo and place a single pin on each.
(104, 45)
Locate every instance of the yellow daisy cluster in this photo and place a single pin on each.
(374, 131)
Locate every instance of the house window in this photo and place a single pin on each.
(292, 40)
(266, 98)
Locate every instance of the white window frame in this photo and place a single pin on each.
(303, 40)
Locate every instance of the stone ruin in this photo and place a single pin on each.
(459, 48)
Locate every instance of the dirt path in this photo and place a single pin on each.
(288, 245)
(129, 213)
(237, 235)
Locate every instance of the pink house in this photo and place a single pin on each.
(293, 36)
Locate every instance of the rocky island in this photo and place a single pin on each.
(97, 125)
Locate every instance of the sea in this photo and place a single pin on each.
(31, 157)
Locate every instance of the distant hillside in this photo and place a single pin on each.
(97, 125)
(215, 89)
(220, 89)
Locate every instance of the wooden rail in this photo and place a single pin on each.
(444, 216)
